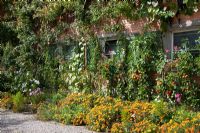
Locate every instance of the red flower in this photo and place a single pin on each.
(169, 93)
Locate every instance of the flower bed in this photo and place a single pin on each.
(113, 115)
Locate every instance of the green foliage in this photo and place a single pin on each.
(141, 65)
(109, 114)
(94, 54)
(57, 97)
(33, 34)
(178, 77)
(161, 112)
(5, 80)
(100, 118)
(18, 102)
(46, 111)
(197, 65)
(6, 101)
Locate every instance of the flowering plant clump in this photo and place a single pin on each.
(187, 125)
(144, 126)
(63, 115)
(117, 116)
(79, 98)
(46, 111)
(79, 119)
(104, 101)
(138, 111)
(100, 118)
(117, 128)
(6, 101)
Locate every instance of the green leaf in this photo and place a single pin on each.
(185, 1)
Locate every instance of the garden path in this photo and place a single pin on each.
(26, 123)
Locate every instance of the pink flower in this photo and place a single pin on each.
(178, 97)
(176, 48)
(37, 91)
(167, 51)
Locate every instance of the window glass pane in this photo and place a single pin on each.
(63, 50)
(110, 47)
(68, 51)
(185, 40)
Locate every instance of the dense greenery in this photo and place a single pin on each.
(35, 34)
(109, 114)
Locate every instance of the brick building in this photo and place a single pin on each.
(182, 33)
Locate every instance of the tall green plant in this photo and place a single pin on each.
(141, 65)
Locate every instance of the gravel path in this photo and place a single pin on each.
(26, 123)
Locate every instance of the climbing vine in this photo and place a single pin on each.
(32, 30)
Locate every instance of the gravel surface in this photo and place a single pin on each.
(26, 123)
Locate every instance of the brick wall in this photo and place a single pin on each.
(129, 26)
(136, 26)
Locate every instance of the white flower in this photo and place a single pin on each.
(157, 99)
(77, 55)
(37, 82)
(149, 2)
(82, 48)
(155, 3)
(133, 115)
(61, 67)
(79, 69)
(76, 84)
(165, 8)
(70, 75)
(80, 55)
(84, 44)
(73, 78)
(70, 82)
(196, 9)
(80, 43)
(24, 85)
(188, 23)
(112, 52)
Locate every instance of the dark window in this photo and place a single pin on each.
(62, 50)
(68, 51)
(187, 41)
(110, 48)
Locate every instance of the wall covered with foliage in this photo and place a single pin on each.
(35, 34)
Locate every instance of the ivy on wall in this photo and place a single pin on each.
(30, 28)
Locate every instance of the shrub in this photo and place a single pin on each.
(57, 97)
(72, 109)
(46, 111)
(117, 128)
(187, 125)
(100, 118)
(63, 115)
(104, 101)
(6, 101)
(144, 126)
(138, 111)
(116, 116)
(18, 102)
(79, 119)
(78, 98)
(161, 112)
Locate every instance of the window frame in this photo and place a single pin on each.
(103, 38)
(180, 31)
